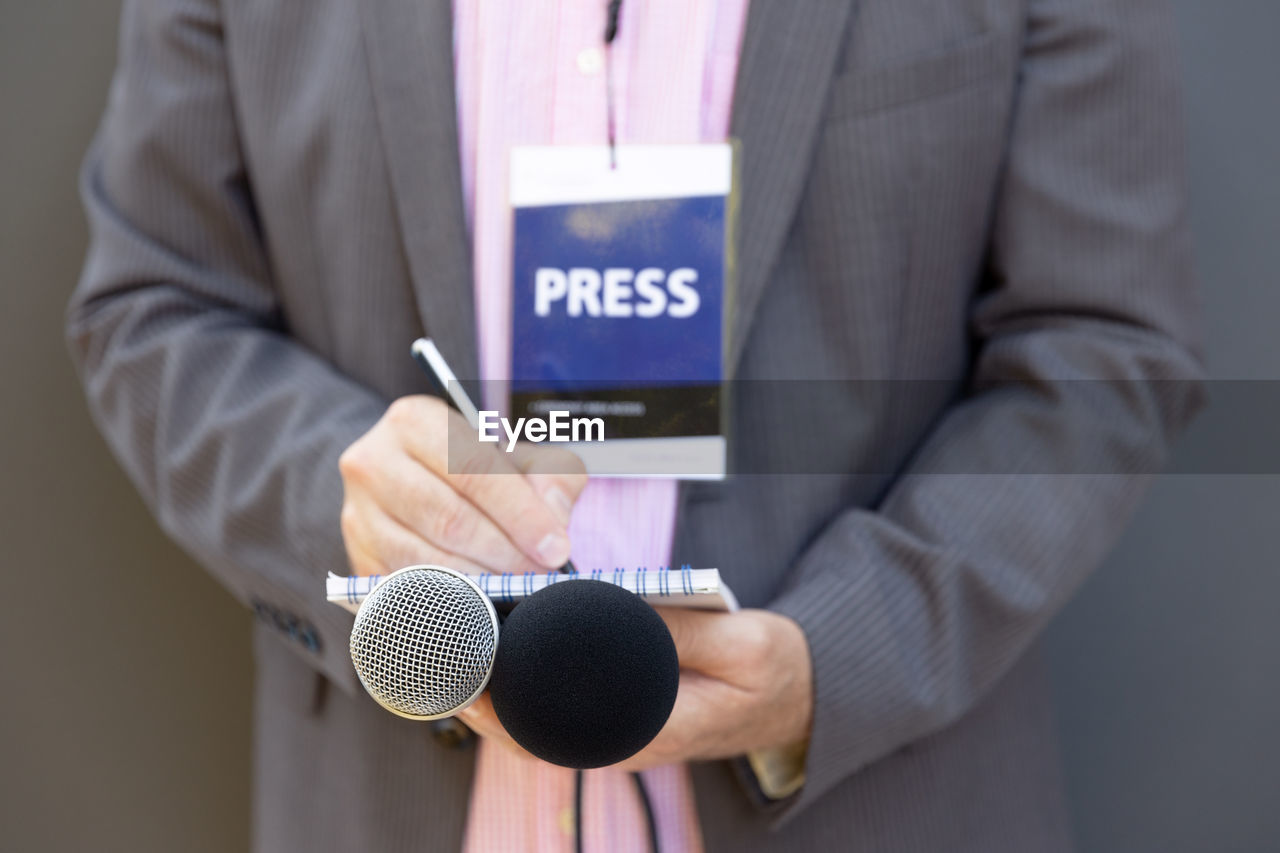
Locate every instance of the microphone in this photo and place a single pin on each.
(423, 642)
(585, 676)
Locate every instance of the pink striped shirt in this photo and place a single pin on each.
(532, 72)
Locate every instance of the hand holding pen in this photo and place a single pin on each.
(404, 504)
(428, 356)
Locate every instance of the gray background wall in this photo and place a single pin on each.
(125, 675)
(1167, 665)
(124, 722)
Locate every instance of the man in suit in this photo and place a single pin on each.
(976, 204)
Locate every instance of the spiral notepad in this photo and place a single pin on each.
(698, 588)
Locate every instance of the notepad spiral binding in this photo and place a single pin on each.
(685, 586)
(639, 581)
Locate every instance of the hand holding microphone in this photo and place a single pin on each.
(583, 673)
(587, 673)
(746, 684)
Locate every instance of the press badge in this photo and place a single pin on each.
(621, 282)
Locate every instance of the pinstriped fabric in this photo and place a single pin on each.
(991, 782)
(348, 777)
(408, 47)
(179, 336)
(926, 77)
(275, 190)
(1010, 220)
(778, 114)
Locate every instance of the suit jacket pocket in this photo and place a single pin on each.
(976, 59)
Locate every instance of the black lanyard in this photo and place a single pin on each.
(612, 9)
(611, 33)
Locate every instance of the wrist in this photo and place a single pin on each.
(795, 673)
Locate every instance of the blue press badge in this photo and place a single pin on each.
(620, 282)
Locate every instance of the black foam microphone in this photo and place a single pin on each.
(585, 675)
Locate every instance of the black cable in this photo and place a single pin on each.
(611, 124)
(650, 821)
(648, 812)
(611, 21)
(577, 810)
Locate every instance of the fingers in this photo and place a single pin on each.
(408, 500)
(489, 480)
(427, 506)
(696, 728)
(378, 544)
(481, 719)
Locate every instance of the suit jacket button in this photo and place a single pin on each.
(452, 733)
(310, 638)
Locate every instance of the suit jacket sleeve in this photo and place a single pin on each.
(1085, 366)
(230, 429)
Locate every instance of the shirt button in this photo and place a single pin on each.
(566, 822)
(590, 61)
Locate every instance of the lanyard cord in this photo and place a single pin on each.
(612, 10)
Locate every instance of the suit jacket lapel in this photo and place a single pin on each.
(789, 52)
(409, 44)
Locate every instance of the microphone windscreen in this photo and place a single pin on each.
(586, 674)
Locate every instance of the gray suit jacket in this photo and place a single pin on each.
(984, 194)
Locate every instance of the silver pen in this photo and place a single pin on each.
(429, 358)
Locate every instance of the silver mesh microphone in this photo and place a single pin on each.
(424, 642)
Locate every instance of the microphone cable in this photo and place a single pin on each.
(648, 812)
(577, 810)
(650, 821)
